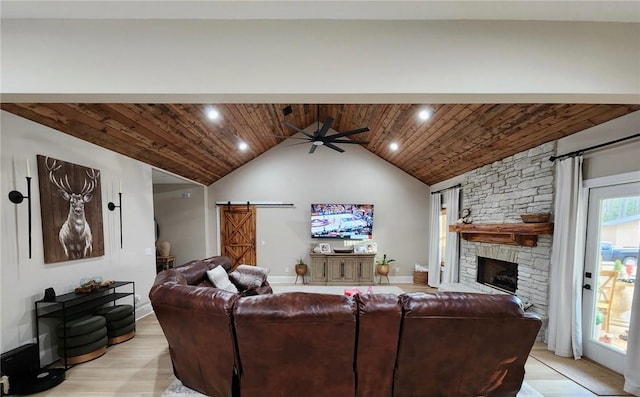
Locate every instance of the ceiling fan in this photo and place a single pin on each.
(320, 137)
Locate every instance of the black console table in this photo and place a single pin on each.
(72, 305)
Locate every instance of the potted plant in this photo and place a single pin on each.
(301, 267)
(382, 266)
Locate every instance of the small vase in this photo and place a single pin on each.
(164, 248)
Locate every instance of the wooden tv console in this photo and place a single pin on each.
(342, 269)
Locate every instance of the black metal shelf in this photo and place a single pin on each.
(84, 307)
(69, 306)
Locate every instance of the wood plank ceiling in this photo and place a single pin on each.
(180, 138)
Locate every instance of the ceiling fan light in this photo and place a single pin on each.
(243, 146)
(393, 146)
(318, 143)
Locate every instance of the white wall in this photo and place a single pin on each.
(290, 175)
(181, 219)
(23, 280)
(321, 60)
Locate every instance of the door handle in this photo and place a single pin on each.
(587, 286)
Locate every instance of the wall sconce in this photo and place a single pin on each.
(16, 197)
(112, 207)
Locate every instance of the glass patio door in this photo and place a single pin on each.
(611, 263)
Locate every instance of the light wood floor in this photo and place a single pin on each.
(141, 367)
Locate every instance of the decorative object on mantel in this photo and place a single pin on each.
(465, 216)
(523, 234)
(536, 218)
(16, 198)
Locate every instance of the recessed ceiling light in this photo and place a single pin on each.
(243, 146)
(393, 146)
(213, 114)
(424, 114)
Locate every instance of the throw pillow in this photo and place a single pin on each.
(245, 281)
(219, 278)
(257, 271)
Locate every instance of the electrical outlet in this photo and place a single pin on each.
(137, 298)
(148, 251)
(286, 269)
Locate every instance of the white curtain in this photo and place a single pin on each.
(434, 240)
(632, 364)
(564, 334)
(451, 257)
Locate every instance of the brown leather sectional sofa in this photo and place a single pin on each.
(308, 345)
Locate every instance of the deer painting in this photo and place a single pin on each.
(75, 235)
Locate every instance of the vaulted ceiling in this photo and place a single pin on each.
(180, 138)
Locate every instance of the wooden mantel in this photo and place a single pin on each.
(524, 234)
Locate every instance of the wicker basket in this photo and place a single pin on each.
(421, 278)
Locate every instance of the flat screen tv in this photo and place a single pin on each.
(345, 221)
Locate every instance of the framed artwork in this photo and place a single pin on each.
(325, 248)
(71, 209)
(372, 248)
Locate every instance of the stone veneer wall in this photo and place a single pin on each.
(500, 193)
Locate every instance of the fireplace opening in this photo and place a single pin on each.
(498, 274)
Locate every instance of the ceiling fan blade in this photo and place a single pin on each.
(297, 129)
(325, 127)
(352, 132)
(347, 141)
(289, 137)
(334, 147)
(313, 148)
(296, 144)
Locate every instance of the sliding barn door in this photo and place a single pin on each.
(238, 233)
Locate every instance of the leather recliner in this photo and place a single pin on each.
(296, 344)
(462, 344)
(196, 320)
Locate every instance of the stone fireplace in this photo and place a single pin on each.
(498, 274)
(499, 193)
